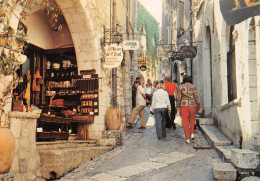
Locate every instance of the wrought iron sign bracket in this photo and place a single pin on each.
(112, 36)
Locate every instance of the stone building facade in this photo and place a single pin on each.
(226, 70)
(83, 29)
(175, 22)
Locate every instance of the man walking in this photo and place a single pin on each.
(140, 105)
(171, 88)
(134, 93)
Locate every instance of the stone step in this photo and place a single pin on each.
(256, 143)
(224, 171)
(203, 121)
(214, 136)
(244, 159)
(225, 152)
(57, 162)
(65, 144)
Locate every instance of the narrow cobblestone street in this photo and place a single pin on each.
(143, 157)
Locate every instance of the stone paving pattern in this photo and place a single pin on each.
(143, 157)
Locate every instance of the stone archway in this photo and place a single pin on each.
(77, 17)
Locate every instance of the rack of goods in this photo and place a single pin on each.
(71, 102)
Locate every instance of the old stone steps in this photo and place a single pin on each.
(57, 162)
(240, 162)
(225, 152)
(214, 136)
(59, 157)
(65, 144)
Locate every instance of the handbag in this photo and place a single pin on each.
(178, 120)
(151, 120)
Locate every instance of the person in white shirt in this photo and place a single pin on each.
(160, 107)
(140, 105)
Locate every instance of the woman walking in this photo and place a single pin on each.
(188, 100)
(160, 107)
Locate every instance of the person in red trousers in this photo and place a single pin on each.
(188, 101)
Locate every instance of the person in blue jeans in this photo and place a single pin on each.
(160, 107)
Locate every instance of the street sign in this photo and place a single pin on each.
(143, 68)
(188, 51)
(130, 45)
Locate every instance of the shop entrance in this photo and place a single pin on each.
(52, 83)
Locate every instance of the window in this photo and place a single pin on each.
(231, 68)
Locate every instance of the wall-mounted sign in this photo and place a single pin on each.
(162, 52)
(143, 68)
(188, 51)
(113, 56)
(142, 61)
(130, 45)
(236, 11)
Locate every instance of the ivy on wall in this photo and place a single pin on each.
(152, 30)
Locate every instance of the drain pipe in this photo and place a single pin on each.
(189, 62)
(114, 70)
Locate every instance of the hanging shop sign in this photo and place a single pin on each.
(236, 11)
(160, 52)
(188, 51)
(130, 45)
(113, 56)
(142, 61)
(143, 68)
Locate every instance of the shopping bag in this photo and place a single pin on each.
(151, 120)
(178, 119)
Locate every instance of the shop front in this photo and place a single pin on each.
(52, 83)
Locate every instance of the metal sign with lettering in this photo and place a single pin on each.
(130, 45)
(236, 11)
(142, 61)
(188, 51)
(162, 52)
(113, 56)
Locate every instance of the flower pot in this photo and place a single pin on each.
(7, 148)
(113, 118)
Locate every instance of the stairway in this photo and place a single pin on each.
(237, 163)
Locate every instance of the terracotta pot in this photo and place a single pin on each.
(7, 148)
(113, 118)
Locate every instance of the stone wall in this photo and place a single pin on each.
(237, 119)
(26, 161)
(86, 21)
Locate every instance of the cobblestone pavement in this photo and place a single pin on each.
(144, 157)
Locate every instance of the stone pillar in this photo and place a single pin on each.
(26, 163)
